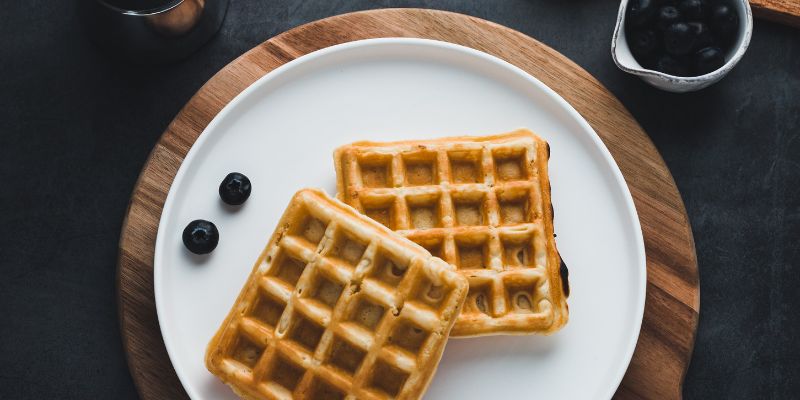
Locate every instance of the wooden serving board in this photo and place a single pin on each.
(781, 11)
(670, 319)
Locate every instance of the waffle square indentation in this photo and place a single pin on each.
(347, 249)
(305, 332)
(473, 252)
(376, 171)
(470, 209)
(479, 299)
(381, 209)
(518, 251)
(514, 206)
(366, 312)
(325, 289)
(420, 168)
(521, 296)
(345, 356)
(388, 269)
(408, 336)
(387, 378)
(246, 351)
(425, 211)
(465, 166)
(510, 164)
(430, 293)
(288, 268)
(267, 310)
(285, 372)
(313, 230)
(320, 389)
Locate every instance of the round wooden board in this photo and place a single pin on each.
(673, 296)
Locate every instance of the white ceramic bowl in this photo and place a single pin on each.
(622, 56)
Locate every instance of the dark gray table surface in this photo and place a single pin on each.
(76, 127)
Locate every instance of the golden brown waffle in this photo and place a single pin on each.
(480, 203)
(337, 306)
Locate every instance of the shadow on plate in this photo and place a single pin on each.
(467, 350)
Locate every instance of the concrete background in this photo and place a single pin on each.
(76, 127)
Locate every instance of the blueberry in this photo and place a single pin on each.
(673, 66)
(724, 22)
(692, 9)
(708, 60)
(200, 236)
(641, 12)
(702, 35)
(678, 39)
(667, 16)
(235, 189)
(643, 43)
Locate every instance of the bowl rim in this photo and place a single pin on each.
(746, 33)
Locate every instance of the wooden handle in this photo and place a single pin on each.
(781, 11)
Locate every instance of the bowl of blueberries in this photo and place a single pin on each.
(681, 45)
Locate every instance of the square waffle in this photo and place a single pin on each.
(337, 306)
(480, 203)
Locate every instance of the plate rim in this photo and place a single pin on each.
(616, 172)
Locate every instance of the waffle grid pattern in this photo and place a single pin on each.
(334, 309)
(477, 203)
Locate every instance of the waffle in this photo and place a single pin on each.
(480, 203)
(337, 307)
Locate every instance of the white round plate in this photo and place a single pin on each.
(281, 133)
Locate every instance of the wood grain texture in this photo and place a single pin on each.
(671, 311)
(781, 11)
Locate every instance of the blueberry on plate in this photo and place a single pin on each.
(708, 60)
(678, 39)
(702, 35)
(200, 236)
(643, 43)
(692, 9)
(235, 189)
(667, 16)
(641, 12)
(724, 21)
(672, 65)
